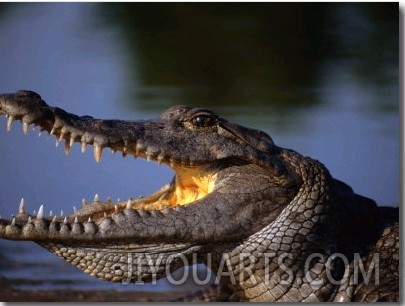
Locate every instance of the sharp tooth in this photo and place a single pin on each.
(72, 140)
(148, 157)
(29, 219)
(40, 133)
(76, 220)
(138, 147)
(128, 206)
(57, 142)
(96, 198)
(115, 208)
(67, 147)
(9, 123)
(61, 136)
(52, 131)
(26, 126)
(54, 219)
(97, 152)
(65, 221)
(88, 221)
(160, 159)
(84, 146)
(13, 222)
(40, 214)
(61, 213)
(21, 209)
(84, 203)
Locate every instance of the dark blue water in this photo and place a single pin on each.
(342, 109)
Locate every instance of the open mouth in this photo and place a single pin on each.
(194, 179)
(190, 183)
(197, 144)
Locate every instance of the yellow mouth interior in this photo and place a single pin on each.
(188, 186)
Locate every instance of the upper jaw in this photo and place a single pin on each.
(166, 139)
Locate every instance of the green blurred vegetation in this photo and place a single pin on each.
(254, 54)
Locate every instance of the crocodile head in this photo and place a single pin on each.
(230, 181)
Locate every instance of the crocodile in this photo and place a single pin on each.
(272, 224)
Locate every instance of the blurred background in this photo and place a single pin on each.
(321, 78)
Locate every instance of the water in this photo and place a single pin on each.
(326, 88)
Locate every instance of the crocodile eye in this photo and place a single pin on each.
(203, 121)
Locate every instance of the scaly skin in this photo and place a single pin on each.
(273, 225)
